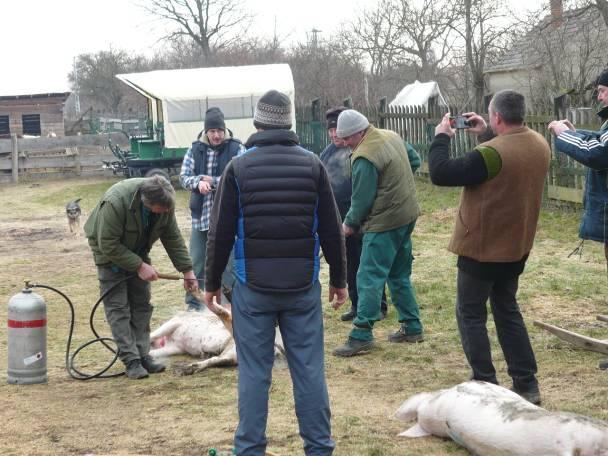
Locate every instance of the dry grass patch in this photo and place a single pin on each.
(167, 414)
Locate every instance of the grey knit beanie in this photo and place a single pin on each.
(214, 118)
(351, 122)
(273, 111)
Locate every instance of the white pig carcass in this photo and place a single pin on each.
(201, 334)
(490, 420)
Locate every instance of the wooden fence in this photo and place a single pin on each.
(33, 158)
(565, 181)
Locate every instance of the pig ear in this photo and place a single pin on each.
(415, 431)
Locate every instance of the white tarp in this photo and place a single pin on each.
(418, 94)
(187, 94)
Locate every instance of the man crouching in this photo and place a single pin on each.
(131, 216)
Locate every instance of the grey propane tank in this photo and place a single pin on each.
(26, 338)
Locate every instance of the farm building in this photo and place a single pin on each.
(34, 115)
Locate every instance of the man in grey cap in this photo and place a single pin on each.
(336, 158)
(384, 208)
(277, 201)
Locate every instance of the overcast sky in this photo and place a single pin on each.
(40, 38)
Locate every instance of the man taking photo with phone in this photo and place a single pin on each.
(503, 181)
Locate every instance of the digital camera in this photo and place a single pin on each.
(460, 122)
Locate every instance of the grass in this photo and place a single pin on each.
(166, 414)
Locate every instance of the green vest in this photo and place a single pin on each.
(395, 204)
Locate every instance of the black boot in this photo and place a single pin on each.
(353, 347)
(152, 366)
(350, 315)
(135, 370)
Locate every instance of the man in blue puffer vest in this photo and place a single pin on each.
(277, 201)
(591, 149)
(202, 167)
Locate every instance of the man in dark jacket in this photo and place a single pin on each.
(277, 201)
(591, 149)
(494, 231)
(336, 158)
(131, 216)
(202, 167)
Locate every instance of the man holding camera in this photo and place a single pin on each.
(202, 167)
(503, 182)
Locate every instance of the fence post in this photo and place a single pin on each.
(316, 109)
(381, 113)
(76, 154)
(15, 157)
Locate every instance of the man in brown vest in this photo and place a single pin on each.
(503, 181)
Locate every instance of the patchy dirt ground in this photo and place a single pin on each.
(170, 415)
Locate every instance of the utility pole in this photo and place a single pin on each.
(77, 88)
(314, 39)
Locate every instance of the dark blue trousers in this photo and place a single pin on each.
(300, 320)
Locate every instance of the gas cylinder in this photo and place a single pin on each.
(26, 338)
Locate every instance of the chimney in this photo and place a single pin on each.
(557, 13)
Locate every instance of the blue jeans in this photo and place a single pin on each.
(198, 252)
(301, 323)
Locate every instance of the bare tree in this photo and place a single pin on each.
(97, 80)
(484, 30)
(566, 55)
(323, 69)
(602, 6)
(423, 34)
(212, 24)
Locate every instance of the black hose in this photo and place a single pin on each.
(69, 360)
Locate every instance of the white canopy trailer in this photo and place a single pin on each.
(180, 98)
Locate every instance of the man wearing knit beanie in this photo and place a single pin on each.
(591, 149)
(273, 111)
(276, 200)
(336, 158)
(384, 208)
(202, 167)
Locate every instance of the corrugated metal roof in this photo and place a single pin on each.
(63, 95)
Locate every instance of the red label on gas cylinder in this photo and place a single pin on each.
(27, 323)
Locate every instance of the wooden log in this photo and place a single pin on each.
(578, 340)
(602, 318)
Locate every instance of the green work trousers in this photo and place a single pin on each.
(128, 312)
(386, 258)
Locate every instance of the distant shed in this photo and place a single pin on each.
(418, 93)
(33, 115)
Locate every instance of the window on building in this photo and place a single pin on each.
(4, 127)
(31, 124)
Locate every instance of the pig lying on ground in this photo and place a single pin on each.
(201, 334)
(490, 420)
